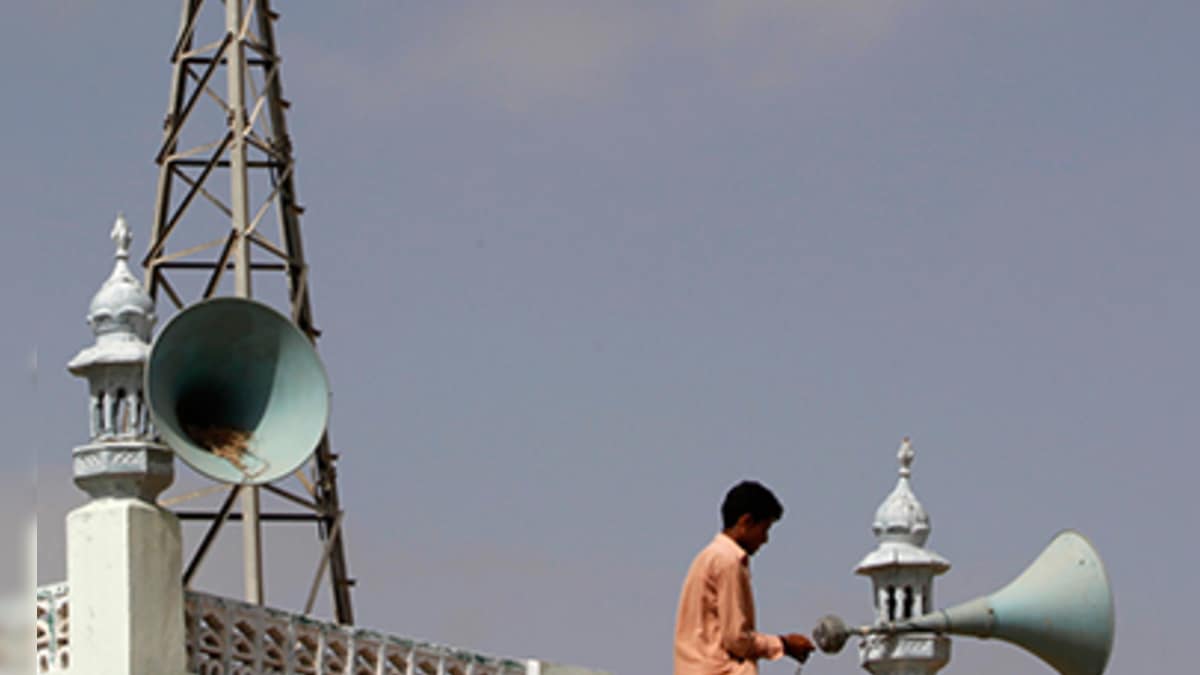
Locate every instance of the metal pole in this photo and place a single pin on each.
(238, 188)
(162, 200)
(235, 59)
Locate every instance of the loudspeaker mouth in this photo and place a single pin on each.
(237, 391)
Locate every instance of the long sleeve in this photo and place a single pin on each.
(735, 612)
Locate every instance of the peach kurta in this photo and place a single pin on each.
(714, 628)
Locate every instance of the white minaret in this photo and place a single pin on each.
(124, 564)
(902, 571)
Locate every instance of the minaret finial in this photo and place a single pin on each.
(121, 236)
(906, 456)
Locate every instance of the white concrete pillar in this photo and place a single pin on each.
(124, 568)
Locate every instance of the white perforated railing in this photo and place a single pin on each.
(53, 629)
(228, 637)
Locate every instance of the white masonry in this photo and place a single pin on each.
(124, 565)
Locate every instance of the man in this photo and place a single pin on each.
(714, 628)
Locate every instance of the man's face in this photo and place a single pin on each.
(754, 533)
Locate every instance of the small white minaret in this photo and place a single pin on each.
(124, 566)
(902, 571)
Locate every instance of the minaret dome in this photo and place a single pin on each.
(121, 308)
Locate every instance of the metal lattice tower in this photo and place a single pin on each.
(225, 165)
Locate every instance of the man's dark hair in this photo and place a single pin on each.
(753, 498)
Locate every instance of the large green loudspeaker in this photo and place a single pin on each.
(237, 391)
(1060, 609)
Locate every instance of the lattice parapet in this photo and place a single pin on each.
(228, 637)
(53, 629)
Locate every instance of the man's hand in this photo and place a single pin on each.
(797, 646)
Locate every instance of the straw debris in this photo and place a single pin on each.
(231, 445)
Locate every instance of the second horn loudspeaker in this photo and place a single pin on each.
(1060, 609)
(237, 391)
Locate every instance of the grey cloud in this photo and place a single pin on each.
(525, 56)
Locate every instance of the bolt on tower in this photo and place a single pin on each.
(227, 222)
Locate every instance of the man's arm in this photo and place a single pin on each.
(735, 611)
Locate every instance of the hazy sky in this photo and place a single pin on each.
(581, 266)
